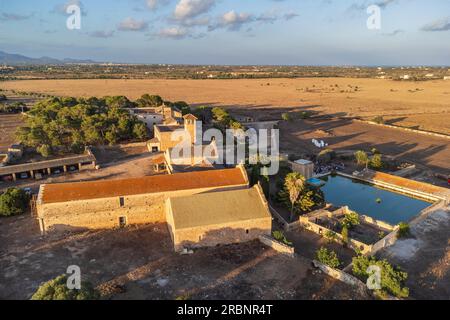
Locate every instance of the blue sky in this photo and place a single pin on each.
(301, 32)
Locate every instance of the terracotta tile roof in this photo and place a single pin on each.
(53, 193)
(217, 208)
(406, 183)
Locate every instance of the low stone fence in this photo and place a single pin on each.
(387, 241)
(377, 223)
(134, 145)
(356, 245)
(341, 276)
(277, 246)
(320, 230)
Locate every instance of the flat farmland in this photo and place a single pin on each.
(8, 126)
(422, 105)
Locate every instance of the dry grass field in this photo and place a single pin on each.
(8, 125)
(424, 105)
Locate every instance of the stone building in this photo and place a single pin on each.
(169, 136)
(112, 203)
(216, 218)
(215, 206)
(304, 167)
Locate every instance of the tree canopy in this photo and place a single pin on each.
(70, 123)
(56, 289)
(13, 201)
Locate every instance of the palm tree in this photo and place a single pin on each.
(361, 158)
(294, 184)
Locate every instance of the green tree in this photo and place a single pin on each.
(45, 150)
(404, 230)
(149, 101)
(183, 107)
(351, 219)
(361, 158)
(294, 183)
(13, 201)
(112, 136)
(392, 279)
(56, 289)
(376, 162)
(140, 130)
(286, 116)
(328, 257)
(344, 234)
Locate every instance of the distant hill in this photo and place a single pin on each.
(18, 59)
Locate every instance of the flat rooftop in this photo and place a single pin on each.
(27, 167)
(169, 128)
(218, 208)
(64, 192)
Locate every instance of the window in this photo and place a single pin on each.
(246, 231)
(122, 201)
(122, 222)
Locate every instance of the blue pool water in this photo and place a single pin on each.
(365, 199)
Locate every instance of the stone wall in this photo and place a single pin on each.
(226, 233)
(277, 246)
(105, 213)
(341, 276)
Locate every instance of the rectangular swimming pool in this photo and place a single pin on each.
(369, 200)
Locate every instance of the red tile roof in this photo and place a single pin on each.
(53, 193)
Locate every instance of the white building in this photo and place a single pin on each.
(149, 116)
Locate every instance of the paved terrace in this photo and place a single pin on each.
(33, 167)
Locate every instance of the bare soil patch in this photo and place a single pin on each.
(426, 257)
(139, 263)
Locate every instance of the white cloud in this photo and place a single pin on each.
(173, 33)
(155, 4)
(438, 25)
(186, 9)
(62, 8)
(130, 24)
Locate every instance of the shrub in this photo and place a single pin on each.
(328, 257)
(331, 236)
(45, 150)
(379, 120)
(13, 201)
(3, 97)
(279, 236)
(376, 162)
(351, 219)
(392, 279)
(286, 116)
(56, 289)
(344, 234)
(404, 230)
